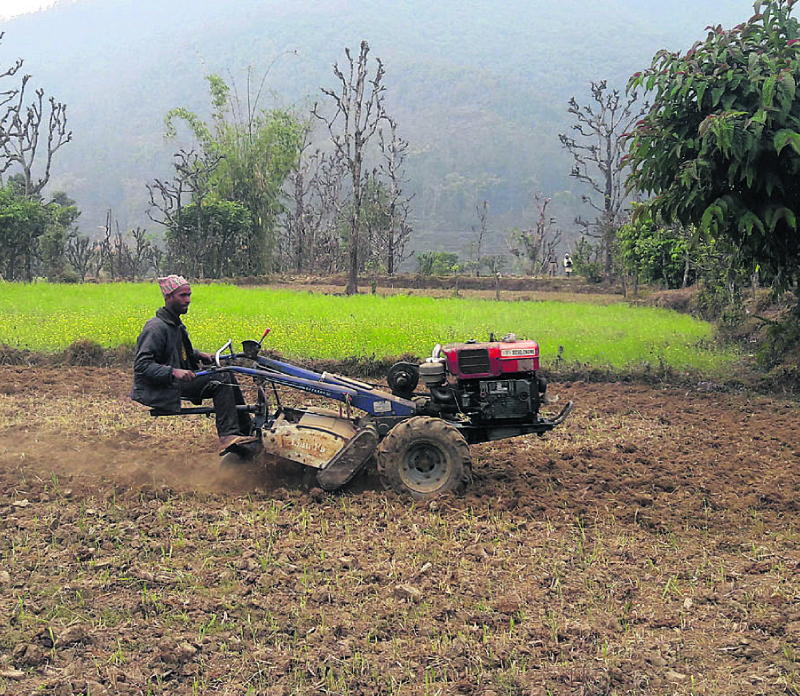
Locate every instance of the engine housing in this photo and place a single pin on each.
(494, 381)
(492, 359)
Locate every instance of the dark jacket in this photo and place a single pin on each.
(163, 345)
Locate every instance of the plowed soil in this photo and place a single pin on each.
(651, 545)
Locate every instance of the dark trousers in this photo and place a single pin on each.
(223, 388)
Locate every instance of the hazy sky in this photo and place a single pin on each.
(11, 8)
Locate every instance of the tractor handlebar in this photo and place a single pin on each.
(228, 344)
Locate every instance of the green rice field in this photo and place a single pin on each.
(47, 318)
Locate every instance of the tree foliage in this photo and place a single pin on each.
(34, 234)
(22, 222)
(245, 156)
(721, 146)
(662, 254)
(587, 260)
(437, 263)
(212, 240)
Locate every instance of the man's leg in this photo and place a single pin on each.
(245, 421)
(223, 388)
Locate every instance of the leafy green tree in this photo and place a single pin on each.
(437, 263)
(33, 234)
(23, 220)
(721, 146)
(653, 252)
(212, 240)
(494, 263)
(721, 276)
(62, 216)
(168, 201)
(587, 260)
(252, 151)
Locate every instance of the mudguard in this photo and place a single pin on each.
(351, 459)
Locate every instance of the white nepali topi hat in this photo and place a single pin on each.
(171, 283)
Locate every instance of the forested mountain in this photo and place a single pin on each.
(478, 88)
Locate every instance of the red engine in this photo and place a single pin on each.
(489, 390)
(493, 359)
(494, 381)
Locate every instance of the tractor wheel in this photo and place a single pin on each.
(423, 457)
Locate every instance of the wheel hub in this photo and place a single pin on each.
(424, 466)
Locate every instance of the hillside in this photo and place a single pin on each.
(479, 89)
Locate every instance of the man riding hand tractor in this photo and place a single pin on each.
(165, 367)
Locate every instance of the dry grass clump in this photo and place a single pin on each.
(82, 353)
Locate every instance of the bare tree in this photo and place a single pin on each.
(394, 150)
(534, 246)
(298, 216)
(479, 233)
(22, 126)
(328, 190)
(375, 221)
(79, 253)
(358, 111)
(144, 254)
(167, 202)
(7, 95)
(312, 226)
(128, 256)
(597, 151)
(105, 251)
(123, 255)
(116, 256)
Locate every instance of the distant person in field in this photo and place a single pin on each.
(552, 265)
(568, 265)
(164, 370)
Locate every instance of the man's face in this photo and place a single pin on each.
(179, 299)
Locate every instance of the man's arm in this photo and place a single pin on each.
(151, 358)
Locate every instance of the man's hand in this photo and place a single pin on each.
(206, 358)
(183, 375)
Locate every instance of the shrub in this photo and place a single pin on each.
(85, 353)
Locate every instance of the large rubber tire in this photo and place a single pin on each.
(424, 457)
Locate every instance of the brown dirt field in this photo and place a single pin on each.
(648, 546)
(555, 291)
(447, 284)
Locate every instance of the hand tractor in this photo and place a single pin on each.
(472, 393)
